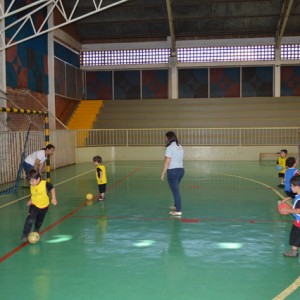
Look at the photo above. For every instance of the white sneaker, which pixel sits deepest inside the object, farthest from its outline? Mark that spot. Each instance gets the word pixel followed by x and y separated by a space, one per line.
pixel 175 213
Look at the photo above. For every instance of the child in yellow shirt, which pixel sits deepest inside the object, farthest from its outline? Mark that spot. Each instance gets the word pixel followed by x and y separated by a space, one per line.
pixel 100 176
pixel 281 166
pixel 38 203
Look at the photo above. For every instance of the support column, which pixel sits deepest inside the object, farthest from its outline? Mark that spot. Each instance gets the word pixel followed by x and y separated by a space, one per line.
pixel 277 73
pixel 51 82
pixel 173 78
pixel 2 64
pixel 3 102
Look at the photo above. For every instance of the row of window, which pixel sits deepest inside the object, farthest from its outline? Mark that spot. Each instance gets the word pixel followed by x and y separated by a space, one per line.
pixel 189 55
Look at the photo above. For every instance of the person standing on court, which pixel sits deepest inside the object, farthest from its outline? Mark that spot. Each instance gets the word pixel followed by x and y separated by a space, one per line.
pixel 36 160
pixel 100 176
pixel 173 166
pixel 298 162
pixel 295 210
pixel 281 166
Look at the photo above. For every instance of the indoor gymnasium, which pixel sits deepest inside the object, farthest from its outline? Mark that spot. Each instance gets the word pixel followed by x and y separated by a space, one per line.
pixel 149 149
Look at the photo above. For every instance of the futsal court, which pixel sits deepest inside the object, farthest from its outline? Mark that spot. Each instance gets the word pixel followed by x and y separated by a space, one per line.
pixel 227 245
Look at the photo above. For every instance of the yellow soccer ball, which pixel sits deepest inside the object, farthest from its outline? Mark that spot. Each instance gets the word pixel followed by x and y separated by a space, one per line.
pixel 89 196
pixel 33 237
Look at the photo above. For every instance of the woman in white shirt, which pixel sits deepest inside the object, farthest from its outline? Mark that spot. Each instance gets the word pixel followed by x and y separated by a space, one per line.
pixel 173 166
pixel 36 160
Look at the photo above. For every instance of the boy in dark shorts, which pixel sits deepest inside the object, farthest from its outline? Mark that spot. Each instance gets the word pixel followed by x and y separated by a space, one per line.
pixel 38 203
pixel 100 176
pixel 295 210
pixel 289 173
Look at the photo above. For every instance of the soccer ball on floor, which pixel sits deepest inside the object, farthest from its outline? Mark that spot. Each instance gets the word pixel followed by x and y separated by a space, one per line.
pixel 89 196
pixel 33 237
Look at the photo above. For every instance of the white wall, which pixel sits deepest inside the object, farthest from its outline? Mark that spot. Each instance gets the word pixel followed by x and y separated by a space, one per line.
pixel 251 153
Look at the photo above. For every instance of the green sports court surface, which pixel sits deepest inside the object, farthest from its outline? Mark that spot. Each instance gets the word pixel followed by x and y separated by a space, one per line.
pixel 227 245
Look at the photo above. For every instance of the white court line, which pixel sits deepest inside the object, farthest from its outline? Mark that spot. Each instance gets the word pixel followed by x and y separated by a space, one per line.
pixel 224 174
pixel 62 182
pixel 72 178
pixel 249 179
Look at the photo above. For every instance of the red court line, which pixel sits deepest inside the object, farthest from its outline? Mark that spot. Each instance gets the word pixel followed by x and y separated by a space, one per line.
pixel 121 180
pixel 15 250
pixel 126 218
pixel 251 221
pixel 185 220
pixel 45 230
pixel 190 220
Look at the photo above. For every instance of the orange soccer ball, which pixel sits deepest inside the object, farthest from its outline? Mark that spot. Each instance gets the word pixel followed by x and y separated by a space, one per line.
pixel 282 208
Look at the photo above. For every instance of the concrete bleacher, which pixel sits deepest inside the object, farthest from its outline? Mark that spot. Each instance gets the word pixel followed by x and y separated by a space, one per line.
pixel 200 113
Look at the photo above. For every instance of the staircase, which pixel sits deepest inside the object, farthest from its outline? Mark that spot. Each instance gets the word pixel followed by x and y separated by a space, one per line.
pixel 85 114
pixel 83 118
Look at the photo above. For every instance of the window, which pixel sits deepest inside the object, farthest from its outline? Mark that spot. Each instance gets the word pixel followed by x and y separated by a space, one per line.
pixel 222 54
pixel 188 55
pixel 125 57
pixel 290 51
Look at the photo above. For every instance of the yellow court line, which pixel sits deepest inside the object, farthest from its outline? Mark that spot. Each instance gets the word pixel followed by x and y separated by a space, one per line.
pixel 294 286
pixel 289 290
pixel 19 199
pixel 249 179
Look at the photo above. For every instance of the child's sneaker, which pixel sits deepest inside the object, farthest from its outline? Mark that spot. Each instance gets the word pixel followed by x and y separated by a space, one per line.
pixel 24 238
pixel 175 213
pixel 291 253
pixel 101 198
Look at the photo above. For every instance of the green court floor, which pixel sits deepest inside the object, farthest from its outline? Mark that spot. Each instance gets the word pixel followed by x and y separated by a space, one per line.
pixel 227 245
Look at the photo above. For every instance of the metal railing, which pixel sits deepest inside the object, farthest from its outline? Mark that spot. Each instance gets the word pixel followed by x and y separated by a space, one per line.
pixel 66 142
pixel 189 137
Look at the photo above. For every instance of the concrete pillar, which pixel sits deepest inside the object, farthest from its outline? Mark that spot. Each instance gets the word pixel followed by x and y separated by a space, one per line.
pixel 51 95
pixel 277 79
pixel 173 78
pixel 2 64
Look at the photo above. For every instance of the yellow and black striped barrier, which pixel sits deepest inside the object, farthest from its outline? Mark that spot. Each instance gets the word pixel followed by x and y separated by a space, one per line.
pixel 23 111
